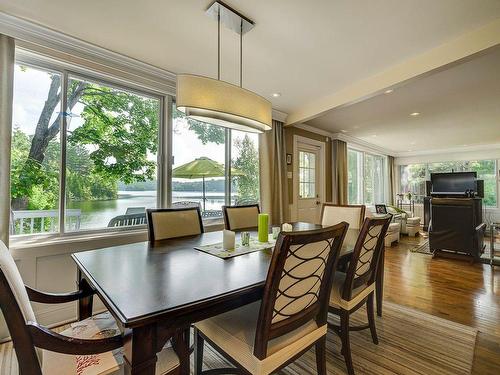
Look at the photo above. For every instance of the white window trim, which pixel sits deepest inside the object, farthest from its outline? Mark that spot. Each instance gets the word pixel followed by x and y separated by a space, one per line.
pixel 385 172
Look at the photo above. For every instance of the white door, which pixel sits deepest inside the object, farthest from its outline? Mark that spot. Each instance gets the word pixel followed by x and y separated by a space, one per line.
pixel 309 182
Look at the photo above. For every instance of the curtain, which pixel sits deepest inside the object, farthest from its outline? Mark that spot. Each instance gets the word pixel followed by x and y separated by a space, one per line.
pixel 392 179
pixel 7 49
pixel 339 173
pixel 273 179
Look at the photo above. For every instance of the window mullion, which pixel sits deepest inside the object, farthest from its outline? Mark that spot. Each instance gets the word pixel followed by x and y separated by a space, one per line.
pixel 63 138
pixel 227 167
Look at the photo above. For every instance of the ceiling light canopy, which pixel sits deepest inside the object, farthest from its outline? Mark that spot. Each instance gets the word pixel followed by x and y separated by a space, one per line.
pixel 221 103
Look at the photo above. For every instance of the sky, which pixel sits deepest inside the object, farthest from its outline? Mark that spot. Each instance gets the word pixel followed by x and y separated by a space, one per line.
pixel 31 87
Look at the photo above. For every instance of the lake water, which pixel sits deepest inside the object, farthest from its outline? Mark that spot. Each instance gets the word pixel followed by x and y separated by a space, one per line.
pixel 97 214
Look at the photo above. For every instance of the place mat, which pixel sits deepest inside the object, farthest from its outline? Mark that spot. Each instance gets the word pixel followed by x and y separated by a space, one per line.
pixel 217 249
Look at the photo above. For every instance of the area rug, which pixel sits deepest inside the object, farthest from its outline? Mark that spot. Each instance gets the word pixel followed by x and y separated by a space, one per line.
pixel 422 248
pixel 411 342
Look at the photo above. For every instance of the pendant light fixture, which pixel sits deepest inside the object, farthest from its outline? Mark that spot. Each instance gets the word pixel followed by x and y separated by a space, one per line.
pixel 221 103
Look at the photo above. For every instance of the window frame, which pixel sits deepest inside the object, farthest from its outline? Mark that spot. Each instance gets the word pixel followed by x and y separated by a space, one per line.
pixel 66 74
pixel 362 170
pixel 164 136
pixel 427 173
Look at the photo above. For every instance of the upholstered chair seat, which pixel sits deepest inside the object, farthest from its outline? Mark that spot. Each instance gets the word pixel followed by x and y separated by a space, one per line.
pixel 234 333
pixel 97 327
pixel 240 217
pixel 392 235
pixel 358 294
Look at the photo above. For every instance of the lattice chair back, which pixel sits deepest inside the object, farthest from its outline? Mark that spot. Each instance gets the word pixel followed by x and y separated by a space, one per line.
pixel 298 283
pixel 364 261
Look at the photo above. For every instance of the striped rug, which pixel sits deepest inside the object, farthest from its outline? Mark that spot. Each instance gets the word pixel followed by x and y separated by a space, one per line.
pixel 411 342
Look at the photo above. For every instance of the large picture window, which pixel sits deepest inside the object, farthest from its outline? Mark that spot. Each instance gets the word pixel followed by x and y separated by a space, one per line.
pixel 367 177
pixel 107 151
pixel 413 177
pixel 199 174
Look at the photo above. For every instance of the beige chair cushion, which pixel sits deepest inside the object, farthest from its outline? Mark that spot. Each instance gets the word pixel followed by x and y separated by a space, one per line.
pixel 413 220
pixel 333 215
pixel 242 217
pixel 99 326
pixel 172 224
pixel 16 283
pixel 357 295
pixel 234 333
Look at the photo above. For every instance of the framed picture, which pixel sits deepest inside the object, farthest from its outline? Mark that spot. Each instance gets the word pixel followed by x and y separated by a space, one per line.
pixel 381 209
pixel 288 159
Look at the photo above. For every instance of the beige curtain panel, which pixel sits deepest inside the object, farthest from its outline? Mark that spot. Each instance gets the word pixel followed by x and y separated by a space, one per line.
pixel 392 179
pixel 339 173
pixel 7 50
pixel 273 182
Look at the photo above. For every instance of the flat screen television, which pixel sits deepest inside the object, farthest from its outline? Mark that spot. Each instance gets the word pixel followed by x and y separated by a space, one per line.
pixel 453 183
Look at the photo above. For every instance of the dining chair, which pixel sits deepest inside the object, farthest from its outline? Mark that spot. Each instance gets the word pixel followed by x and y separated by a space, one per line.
pixel 332 214
pixel 165 223
pixel 241 217
pixel 265 336
pixel 92 344
pixel 353 288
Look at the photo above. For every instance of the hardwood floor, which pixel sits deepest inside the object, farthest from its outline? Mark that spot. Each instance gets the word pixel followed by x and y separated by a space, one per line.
pixel 451 289
pixel 448 288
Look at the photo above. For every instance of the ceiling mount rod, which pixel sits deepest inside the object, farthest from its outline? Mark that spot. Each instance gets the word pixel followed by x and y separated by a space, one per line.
pixel 230 17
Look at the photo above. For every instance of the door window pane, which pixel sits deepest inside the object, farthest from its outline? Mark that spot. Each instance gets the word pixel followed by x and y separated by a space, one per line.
pixel 198 174
pixel 111 156
pixel 35 152
pixel 245 172
pixel 307 174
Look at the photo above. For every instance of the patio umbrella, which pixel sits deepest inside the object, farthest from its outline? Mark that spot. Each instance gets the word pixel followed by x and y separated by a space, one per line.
pixel 203 167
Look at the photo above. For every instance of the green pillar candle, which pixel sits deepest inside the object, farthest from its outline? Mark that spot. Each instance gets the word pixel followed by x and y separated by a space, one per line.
pixel 263 227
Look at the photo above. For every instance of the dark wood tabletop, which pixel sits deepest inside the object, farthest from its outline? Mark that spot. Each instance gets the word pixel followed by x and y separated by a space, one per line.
pixel 141 279
pixel 154 288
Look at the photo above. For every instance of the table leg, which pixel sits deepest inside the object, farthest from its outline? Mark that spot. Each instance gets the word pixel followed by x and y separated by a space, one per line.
pixel 379 285
pixel 181 346
pixel 139 351
pixel 84 304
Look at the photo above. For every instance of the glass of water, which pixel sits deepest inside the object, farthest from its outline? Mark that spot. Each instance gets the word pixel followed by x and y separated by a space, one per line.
pixel 276 232
pixel 245 238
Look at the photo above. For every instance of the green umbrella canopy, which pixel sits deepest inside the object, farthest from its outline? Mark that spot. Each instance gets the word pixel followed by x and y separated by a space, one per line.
pixel 201 168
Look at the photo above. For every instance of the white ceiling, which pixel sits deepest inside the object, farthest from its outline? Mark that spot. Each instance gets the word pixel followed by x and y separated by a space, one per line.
pixel 459 107
pixel 305 50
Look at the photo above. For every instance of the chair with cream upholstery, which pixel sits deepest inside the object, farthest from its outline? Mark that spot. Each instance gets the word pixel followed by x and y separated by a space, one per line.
pixel 93 345
pixel 355 287
pixel 165 223
pixel 265 336
pixel 241 217
pixel 332 214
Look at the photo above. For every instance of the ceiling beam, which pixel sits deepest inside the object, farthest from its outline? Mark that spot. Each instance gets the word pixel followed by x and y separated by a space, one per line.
pixel 437 58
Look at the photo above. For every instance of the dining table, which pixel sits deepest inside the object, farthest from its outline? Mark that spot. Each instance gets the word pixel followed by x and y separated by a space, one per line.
pixel 156 290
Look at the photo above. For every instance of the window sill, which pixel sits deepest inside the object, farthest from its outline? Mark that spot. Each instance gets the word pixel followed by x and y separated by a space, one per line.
pixel 95 239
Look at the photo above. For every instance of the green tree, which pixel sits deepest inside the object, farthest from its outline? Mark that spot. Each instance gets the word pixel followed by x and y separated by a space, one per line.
pixel 248 163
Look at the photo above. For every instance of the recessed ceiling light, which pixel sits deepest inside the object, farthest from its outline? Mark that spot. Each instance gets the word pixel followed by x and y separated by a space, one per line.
pixel 465 145
pixel 415 114
pixel 388 91
pixel 343 130
pixel 374 135
pixel 412 143
pixel 277 94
